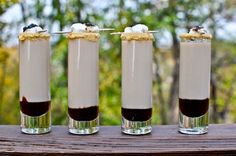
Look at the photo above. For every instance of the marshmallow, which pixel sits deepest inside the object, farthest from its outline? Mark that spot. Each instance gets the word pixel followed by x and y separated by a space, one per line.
pixel 128 30
pixel 92 28
pixel 140 28
pixel 197 30
pixel 79 27
pixel 32 28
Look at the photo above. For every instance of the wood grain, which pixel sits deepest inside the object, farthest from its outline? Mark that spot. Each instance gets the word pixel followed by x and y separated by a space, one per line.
pixel 164 140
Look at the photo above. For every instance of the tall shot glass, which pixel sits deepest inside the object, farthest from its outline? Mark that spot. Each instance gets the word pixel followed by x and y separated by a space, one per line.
pixel 83 93
pixel 136 83
pixel 35 99
pixel 194 81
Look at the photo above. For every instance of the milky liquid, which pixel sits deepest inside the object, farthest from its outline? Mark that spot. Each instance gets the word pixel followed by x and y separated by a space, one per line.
pixel 83 73
pixel 137 74
pixel 195 64
pixel 35 70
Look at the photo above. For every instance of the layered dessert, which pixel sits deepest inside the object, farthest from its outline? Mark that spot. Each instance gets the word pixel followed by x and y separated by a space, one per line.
pixel 195 69
pixel 34 71
pixel 137 73
pixel 83 72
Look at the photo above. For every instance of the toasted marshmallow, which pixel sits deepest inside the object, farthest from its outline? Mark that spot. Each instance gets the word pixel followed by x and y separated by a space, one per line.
pixel 33 32
pixel 196 33
pixel 80 27
pixel 92 28
pixel 197 30
pixel 32 28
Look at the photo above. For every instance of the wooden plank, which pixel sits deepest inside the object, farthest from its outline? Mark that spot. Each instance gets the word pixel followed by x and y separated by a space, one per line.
pixel 164 140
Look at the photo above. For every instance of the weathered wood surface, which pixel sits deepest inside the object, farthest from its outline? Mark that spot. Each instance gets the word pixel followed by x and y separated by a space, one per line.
pixel 164 140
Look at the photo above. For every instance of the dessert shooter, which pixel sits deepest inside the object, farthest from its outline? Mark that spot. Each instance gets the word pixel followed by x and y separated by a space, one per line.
pixel 194 81
pixel 34 49
pixel 83 78
pixel 136 80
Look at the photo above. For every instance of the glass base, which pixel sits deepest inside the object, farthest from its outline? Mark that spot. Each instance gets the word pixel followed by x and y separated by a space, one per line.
pixel 193 125
pixel 36 124
pixel 136 127
pixel 83 127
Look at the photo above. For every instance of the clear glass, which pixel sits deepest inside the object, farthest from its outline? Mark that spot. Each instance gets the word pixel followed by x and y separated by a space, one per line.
pixel 36 125
pixel 83 127
pixel 194 88
pixel 83 58
pixel 191 125
pixel 34 91
pixel 136 87
pixel 136 127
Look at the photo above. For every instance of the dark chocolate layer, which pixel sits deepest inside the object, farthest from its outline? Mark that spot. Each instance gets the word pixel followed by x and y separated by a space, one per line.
pixel 83 114
pixel 193 108
pixel 136 114
pixel 34 108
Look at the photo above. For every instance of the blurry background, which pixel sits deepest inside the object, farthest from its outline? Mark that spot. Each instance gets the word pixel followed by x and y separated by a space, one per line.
pixel 169 17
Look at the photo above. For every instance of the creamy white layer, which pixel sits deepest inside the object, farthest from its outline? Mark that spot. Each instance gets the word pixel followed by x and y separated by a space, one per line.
pixel 195 68
pixel 35 70
pixel 137 74
pixel 83 73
